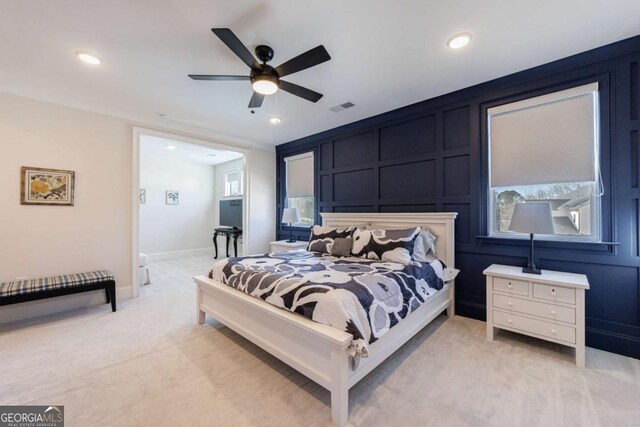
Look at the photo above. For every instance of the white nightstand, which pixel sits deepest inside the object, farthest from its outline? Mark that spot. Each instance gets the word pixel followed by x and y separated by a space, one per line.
pixel 549 306
pixel 283 245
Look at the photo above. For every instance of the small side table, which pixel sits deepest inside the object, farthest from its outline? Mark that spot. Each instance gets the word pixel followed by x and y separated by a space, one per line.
pixel 549 306
pixel 283 246
pixel 229 233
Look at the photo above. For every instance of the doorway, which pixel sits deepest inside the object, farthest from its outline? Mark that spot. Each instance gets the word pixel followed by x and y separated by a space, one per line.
pixel 187 194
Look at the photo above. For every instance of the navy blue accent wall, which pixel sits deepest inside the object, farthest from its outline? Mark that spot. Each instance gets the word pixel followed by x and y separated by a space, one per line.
pixel 431 156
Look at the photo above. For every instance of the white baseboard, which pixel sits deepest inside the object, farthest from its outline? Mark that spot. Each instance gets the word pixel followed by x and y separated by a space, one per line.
pixel 159 256
pixel 44 307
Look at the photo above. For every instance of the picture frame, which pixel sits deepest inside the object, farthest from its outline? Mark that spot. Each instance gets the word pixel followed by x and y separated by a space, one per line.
pixel 143 196
pixel 44 186
pixel 172 197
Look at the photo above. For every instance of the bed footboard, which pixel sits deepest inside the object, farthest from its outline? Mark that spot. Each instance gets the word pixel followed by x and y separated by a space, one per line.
pixel 315 350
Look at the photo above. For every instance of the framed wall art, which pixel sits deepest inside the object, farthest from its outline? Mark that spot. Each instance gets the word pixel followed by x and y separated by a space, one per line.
pixel 172 197
pixel 39 186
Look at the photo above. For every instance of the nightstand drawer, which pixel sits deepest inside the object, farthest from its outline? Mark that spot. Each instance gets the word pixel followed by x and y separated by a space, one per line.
pixel 276 248
pixel 553 312
pixel 538 327
pixel 510 286
pixel 554 293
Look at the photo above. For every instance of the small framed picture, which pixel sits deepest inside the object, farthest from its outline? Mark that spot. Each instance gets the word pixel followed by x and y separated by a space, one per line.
pixel 39 186
pixel 143 196
pixel 172 197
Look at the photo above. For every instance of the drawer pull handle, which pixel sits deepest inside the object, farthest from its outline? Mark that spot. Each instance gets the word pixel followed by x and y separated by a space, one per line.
pixel 509 285
pixel 553 331
pixel 553 292
pixel 509 321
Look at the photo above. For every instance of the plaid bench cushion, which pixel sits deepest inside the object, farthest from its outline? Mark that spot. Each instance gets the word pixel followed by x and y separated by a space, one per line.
pixel 21 287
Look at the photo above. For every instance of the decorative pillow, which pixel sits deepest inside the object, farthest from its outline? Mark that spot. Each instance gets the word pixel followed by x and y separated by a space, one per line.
pixel 424 249
pixel 385 245
pixel 341 246
pixel 322 238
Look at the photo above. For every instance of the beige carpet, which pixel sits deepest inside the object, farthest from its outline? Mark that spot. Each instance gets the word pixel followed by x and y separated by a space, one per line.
pixel 149 364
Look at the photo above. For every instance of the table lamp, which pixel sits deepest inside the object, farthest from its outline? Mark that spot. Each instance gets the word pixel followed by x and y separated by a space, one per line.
pixel 290 216
pixel 532 218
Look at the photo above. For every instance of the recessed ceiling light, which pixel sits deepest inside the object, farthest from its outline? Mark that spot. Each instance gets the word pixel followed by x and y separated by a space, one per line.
pixel 275 120
pixel 459 40
pixel 211 155
pixel 170 147
pixel 87 57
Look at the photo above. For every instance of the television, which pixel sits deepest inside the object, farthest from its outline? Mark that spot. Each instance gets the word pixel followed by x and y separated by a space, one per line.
pixel 231 213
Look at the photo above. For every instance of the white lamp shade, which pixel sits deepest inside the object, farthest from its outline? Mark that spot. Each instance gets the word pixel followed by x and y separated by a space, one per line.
pixel 532 218
pixel 290 216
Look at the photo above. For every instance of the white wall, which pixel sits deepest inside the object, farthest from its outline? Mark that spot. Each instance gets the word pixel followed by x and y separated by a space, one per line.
pixel 170 228
pixel 262 212
pixel 96 233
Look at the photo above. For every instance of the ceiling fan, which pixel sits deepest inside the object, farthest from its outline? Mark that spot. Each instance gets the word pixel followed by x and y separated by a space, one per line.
pixel 264 78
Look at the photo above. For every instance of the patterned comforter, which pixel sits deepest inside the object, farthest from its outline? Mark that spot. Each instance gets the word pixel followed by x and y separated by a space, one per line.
pixel 362 297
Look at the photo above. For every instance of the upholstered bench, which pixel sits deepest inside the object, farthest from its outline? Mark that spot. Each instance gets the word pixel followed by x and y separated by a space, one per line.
pixel 48 287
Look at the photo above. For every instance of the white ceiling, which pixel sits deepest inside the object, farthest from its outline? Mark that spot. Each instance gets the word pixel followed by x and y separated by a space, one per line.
pixel 155 146
pixel 385 54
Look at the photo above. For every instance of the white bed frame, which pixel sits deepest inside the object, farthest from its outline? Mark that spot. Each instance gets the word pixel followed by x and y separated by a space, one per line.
pixel 320 351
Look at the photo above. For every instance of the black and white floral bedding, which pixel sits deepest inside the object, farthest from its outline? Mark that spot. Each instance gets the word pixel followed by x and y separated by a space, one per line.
pixel 360 296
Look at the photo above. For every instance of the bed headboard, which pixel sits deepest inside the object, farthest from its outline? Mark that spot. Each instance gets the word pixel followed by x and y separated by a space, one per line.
pixel 441 224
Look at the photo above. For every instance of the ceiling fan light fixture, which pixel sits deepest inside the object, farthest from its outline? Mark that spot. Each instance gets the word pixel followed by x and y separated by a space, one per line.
pixel 265 84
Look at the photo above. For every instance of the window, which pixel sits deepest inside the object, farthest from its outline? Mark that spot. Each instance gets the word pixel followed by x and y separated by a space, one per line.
pixel 233 183
pixel 299 187
pixel 545 150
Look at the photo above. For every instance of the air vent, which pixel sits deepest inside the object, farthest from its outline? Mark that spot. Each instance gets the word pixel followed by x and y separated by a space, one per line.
pixel 341 107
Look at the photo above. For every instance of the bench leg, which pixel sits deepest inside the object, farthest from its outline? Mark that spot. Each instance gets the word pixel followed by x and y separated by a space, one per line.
pixel 112 293
pixel 107 293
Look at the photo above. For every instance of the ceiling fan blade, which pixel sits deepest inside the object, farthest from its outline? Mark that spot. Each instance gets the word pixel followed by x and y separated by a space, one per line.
pixel 300 91
pixel 208 77
pixel 309 59
pixel 256 100
pixel 234 43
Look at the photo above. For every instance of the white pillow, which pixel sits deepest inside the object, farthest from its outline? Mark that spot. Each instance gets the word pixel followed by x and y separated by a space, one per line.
pixel 424 249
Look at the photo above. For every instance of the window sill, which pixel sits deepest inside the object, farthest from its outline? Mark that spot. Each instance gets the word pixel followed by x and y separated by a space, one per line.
pixel 549 244
pixel 296 227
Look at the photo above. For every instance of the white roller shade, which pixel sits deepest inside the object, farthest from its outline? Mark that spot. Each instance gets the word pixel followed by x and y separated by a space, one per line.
pixel 300 175
pixel 545 140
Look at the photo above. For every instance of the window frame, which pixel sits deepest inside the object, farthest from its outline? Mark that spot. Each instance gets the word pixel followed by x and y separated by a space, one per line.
pixel 596 201
pixel 595 209
pixel 312 154
pixel 240 183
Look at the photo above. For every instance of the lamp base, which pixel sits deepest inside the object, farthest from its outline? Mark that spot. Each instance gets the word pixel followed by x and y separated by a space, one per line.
pixel 531 270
